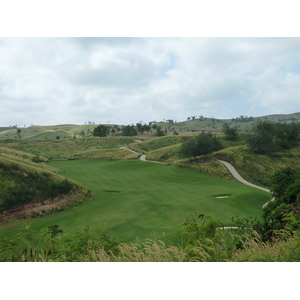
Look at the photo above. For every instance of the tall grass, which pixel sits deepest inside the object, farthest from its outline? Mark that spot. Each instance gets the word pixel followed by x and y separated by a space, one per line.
pixel 80 148
pixel 53 245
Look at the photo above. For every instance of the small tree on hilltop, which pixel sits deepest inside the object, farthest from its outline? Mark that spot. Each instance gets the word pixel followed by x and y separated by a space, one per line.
pixel 101 130
pixel 159 131
pixel 129 130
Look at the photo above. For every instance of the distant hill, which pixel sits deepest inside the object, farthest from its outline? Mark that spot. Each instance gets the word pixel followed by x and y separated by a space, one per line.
pixel 192 124
pixel 7 128
pixel 199 123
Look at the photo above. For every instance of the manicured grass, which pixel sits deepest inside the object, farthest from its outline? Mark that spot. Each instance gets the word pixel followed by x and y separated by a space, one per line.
pixel 139 200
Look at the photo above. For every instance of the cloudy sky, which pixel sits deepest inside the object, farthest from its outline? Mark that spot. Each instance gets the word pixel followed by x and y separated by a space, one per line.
pixel 128 80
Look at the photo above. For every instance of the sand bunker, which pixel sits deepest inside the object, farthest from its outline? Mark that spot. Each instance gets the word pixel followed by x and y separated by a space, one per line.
pixel 222 197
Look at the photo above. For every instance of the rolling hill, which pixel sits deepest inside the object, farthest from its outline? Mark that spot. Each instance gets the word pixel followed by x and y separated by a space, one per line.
pixel 194 124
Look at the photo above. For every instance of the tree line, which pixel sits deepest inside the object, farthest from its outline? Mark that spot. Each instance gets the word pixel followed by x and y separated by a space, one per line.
pixel 128 130
pixel 265 138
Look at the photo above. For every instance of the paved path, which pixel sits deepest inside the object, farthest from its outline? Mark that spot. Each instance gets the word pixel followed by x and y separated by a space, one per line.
pixel 230 167
pixel 126 148
pixel 143 158
pixel 236 175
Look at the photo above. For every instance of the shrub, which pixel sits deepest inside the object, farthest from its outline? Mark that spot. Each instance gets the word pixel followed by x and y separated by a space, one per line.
pixel 202 144
pixel 37 159
pixel 231 132
pixel 101 131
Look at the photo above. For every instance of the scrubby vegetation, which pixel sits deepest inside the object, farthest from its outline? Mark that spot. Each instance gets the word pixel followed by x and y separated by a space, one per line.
pixel 202 144
pixel 69 149
pixel 25 179
pixel 269 136
pixel 19 186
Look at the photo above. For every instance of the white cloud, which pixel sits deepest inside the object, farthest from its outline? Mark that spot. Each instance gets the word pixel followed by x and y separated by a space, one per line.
pixel 125 80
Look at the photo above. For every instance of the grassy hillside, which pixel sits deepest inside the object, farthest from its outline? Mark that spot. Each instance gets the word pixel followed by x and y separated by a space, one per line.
pixel 192 125
pixel 29 187
pixel 215 125
pixel 83 148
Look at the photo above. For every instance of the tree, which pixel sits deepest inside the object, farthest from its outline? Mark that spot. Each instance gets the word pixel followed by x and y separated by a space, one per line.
pixel 202 144
pixel 140 127
pixel 159 131
pixel 262 139
pixel 129 130
pixel 101 130
pixel 19 133
pixel 231 132
pixel 146 128
pixel 269 136
pixel 281 180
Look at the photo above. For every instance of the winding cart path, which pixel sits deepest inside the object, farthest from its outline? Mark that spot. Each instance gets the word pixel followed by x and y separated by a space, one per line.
pixel 230 168
pixel 237 176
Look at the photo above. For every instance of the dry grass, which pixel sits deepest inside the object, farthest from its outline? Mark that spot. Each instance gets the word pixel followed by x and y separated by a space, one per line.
pixel 211 166
pixel 256 251
pixel 150 251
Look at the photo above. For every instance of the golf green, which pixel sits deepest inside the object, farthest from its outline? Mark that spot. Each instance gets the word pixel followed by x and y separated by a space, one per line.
pixel 137 200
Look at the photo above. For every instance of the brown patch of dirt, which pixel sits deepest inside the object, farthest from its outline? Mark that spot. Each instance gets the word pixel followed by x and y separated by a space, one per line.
pixel 223 157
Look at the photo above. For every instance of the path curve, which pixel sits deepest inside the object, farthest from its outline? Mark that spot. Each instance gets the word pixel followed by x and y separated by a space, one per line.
pixel 230 168
pixel 237 176
pixel 126 148
pixel 143 158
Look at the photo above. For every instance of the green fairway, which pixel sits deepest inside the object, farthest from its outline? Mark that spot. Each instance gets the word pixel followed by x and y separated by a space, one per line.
pixel 138 200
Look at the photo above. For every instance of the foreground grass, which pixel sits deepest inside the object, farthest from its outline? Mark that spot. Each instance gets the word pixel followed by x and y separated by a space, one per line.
pixel 138 200
pixel 51 244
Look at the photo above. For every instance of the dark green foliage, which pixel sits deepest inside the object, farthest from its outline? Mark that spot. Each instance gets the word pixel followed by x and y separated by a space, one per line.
pixel 159 131
pixel 101 131
pixel 37 159
pixel 142 128
pixel 19 187
pixel 262 140
pixel 286 188
pixel 52 245
pixel 129 130
pixel 231 132
pixel 196 230
pixel 281 180
pixel 269 136
pixel 202 144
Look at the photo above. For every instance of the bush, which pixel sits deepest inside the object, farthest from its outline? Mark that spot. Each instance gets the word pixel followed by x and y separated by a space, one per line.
pixel 129 130
pixel 37 159
pixel 269 137
pixel 231 132
pixel 203 144
pixel 101 131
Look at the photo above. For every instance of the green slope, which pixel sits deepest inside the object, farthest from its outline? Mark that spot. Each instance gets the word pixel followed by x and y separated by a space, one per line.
pixel 135 199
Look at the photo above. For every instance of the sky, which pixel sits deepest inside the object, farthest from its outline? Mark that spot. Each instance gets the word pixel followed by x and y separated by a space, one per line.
pixel 46 81
pixel 108 65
